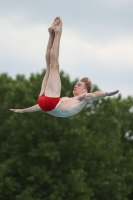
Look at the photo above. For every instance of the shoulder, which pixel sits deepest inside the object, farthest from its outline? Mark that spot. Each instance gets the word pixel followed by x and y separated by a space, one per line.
pixel 64 98
pixel 81 97
pixel 90 96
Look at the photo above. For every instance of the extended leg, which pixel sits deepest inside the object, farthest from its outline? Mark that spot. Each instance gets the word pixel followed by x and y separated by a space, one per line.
pixel 53 87
pixel 47 56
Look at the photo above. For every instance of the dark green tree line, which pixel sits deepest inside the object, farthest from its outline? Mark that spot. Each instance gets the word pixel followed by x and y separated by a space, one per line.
pixel 85 157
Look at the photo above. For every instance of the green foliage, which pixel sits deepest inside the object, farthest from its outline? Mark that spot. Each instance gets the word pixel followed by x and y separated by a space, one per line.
pixel 84 157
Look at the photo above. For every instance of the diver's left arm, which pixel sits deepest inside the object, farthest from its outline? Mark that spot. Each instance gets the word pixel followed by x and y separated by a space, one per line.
pixel 98 95
pixel 34 108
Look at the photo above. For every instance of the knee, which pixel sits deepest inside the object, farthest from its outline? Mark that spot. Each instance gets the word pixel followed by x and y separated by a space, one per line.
pixel 53 56
pixel 54 66
pixel 54 62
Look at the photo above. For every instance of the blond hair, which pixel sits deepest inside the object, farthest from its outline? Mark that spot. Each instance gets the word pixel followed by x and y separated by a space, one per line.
pixel 88 84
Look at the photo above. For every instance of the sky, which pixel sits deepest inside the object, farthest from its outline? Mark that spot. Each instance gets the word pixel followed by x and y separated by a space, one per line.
pixel 97 39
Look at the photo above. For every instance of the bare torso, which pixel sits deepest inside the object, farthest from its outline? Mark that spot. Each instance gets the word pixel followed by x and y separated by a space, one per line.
pixel 68 107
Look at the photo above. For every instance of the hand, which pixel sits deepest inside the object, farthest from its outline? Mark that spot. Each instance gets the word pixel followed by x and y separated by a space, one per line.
pixel 112 93
pixel 17 110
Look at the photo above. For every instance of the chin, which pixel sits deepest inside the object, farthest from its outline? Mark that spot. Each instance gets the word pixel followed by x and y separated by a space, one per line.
pixel 75 93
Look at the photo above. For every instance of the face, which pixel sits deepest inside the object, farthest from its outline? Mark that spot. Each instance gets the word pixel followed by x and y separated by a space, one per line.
pixel 79 88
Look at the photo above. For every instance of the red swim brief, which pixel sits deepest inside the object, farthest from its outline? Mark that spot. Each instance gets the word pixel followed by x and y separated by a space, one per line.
pixel 48 103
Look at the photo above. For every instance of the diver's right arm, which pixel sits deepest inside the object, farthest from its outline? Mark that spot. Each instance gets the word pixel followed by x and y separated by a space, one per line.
pixel 34 108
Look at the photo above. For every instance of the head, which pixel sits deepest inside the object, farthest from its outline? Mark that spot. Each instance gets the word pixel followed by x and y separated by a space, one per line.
pixel 84 85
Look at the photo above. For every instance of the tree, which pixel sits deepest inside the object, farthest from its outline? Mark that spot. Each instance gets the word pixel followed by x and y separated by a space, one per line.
pixel 84 157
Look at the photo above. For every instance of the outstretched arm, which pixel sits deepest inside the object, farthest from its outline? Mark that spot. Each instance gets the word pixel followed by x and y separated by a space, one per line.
pixel 97 94
pixel 34 108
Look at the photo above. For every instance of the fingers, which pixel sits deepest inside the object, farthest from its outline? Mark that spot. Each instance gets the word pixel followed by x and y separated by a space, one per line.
pixel 115 92
pixel 13 110
pixel 16 110
pixel 112 93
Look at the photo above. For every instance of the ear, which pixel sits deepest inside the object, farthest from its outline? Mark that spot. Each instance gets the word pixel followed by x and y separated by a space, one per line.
pixel 85 90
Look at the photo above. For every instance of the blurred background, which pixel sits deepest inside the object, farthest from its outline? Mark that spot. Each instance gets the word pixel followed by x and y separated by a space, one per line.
pixel 97 39
pixel 85 157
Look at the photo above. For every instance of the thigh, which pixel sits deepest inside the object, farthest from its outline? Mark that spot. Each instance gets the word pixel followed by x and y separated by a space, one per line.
pixel 44 82
pixel 53 87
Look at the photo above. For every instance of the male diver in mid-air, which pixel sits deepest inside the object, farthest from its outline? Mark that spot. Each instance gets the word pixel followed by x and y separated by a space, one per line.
pixel 49 98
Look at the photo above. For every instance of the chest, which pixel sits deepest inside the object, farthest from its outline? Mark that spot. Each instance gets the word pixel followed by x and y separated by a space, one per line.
pixel 73 104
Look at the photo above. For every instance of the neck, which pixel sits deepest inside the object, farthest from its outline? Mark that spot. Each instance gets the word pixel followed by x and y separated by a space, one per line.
pixel 76 94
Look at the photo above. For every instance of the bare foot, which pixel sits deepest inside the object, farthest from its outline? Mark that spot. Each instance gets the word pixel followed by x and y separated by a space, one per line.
pixel 54 24
pixel 58 28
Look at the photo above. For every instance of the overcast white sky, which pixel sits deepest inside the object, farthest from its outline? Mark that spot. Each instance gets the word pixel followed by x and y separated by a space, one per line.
pixel 97 39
